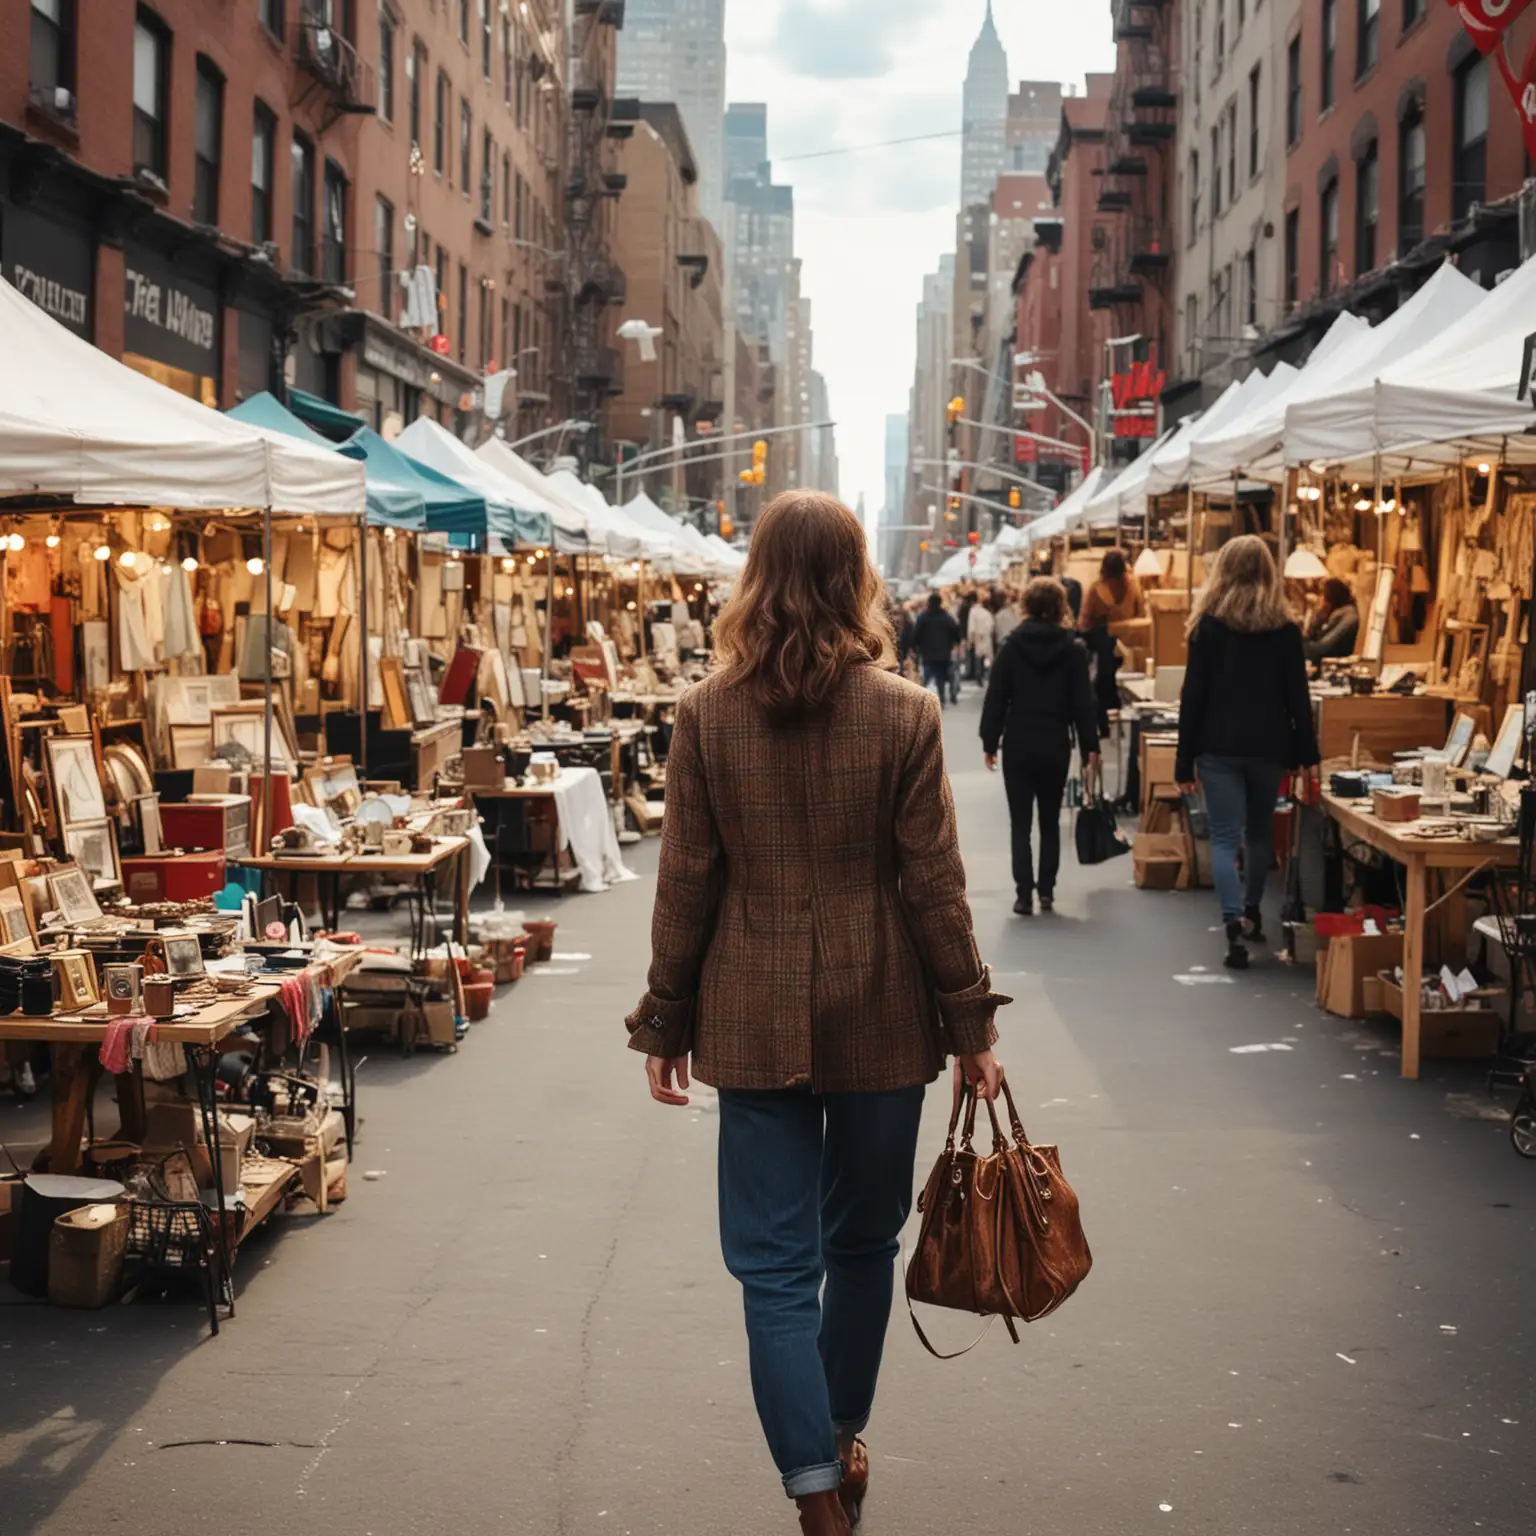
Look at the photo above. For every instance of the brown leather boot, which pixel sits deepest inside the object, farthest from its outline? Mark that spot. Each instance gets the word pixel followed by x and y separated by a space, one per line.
pixel 821 1514
pixel 855 1481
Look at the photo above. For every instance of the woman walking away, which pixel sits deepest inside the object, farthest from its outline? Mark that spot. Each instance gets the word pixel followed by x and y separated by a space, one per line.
pixel 1244 719
pixel 1112 599
pixel 1039 694
pixel 934 638
pixel 981 636
pixel 812 950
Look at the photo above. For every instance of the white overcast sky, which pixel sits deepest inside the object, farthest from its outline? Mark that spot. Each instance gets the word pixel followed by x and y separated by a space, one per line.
pixel 869 225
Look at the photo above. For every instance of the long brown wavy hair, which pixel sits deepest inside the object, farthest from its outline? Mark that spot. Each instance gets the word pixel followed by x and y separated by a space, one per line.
pixel 807 607
pixel 1243 589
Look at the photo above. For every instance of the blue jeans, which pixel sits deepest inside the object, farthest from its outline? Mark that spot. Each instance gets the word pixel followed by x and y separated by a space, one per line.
pixel 815 1187
pixel 937 673
pixel 1240 795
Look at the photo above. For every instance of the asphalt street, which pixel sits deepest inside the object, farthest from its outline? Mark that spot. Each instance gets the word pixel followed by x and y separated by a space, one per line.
pixel 1310 1310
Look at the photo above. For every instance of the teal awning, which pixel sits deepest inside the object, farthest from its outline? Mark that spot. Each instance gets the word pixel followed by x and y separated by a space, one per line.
pixel 331 421
pixel 449 507
pixel 393 501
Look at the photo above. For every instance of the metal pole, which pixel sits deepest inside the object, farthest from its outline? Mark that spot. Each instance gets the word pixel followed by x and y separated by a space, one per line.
pixel 1381 532
pixel 640 603
pixel 549 633
pixel 1287 495
pixel 266 571
pixel 362 604
pixel 1189 541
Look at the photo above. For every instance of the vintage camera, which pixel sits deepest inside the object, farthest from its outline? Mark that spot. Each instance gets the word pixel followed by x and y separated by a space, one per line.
pixel 123 985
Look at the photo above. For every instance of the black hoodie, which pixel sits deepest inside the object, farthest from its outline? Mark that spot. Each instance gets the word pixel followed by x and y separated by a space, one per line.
pixel 1038 692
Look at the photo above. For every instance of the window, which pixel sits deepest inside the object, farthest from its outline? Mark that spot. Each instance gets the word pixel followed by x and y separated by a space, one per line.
pixel 1367 210
pixel 272 15
pixel 384 248
pixel 1413 13
pixel 506 190
pixel 209 140
pixel 463 311
pixel 1410 182
pixel 1239 19
pixel 440 125
pixel 487 177
pixel 263 163
pixel 519 231
pixel 52 64
pixel 1330 31
pixel 333 231
pixel 486 36
pixel 464 138
pixel 1199 28
pixel 415 80
pixel 1367 36
pixel 151 69
pixel 522 93
pixel 1216 171
pixel 301 159
pixel 508 62
pixel 464 22
pixel 1328 229
pixel 1292 257
pixel 1253 121
pixel 386 64
pixel 1469 166
pixel 1219 39
pixel 442 290
pixel 1231 154
pixel 1194 194
pixel 1192 334
pixel 1293 93
pixel 1251 286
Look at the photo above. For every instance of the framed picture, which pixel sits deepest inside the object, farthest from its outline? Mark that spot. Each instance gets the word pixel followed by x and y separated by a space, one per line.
pixel 77 979
pixel 149 823
pixel 419 691
pixel 246 728
pixel 1501 760
pixel 183 954
pixel 129 770
pixel 14 923
pixel 1376 619
pixel 77 791
pixel 190 701
pixel 223 690
pixel 93 846
pixel 191 745
pixel 73 898
pixel 1459 742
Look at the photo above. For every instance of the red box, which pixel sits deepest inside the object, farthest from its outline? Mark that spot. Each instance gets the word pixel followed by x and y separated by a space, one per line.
pixel 221 822
pixel 167 877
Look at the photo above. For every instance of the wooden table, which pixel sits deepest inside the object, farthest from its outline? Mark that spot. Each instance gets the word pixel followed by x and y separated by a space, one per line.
pixel 557 878
pixel 421 870
pixel 1418 856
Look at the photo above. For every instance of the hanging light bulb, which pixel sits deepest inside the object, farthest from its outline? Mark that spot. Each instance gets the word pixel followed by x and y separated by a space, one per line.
pixel 570 591
pixel 102 552
pixel 538 554
pixel 53 541
pixel 1363 505
pixel 189 564
pixel 630 605
pixel 1482 469
pixel 126 559
pixel 531 559
pixel 254 565
pixel 389 534
pixel 509 564
pixel 16 543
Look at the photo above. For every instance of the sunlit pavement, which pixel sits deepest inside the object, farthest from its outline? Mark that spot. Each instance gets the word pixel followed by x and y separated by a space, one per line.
pixel 1308 1312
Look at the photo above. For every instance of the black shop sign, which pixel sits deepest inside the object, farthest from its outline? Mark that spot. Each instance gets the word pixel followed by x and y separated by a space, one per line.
pixel 50 264
pixel 167 316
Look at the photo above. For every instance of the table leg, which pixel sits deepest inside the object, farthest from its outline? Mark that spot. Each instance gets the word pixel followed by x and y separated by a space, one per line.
pixel 205 1068
pixel 1413 963
pixel 71 1083
pixel 461 906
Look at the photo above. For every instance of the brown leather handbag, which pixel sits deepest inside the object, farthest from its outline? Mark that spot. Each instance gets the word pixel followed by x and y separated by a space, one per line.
pixel 1001 1235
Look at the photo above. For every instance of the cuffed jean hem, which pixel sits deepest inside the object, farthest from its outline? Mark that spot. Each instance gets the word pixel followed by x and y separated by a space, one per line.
pixel 826 1478
pixel 852 1426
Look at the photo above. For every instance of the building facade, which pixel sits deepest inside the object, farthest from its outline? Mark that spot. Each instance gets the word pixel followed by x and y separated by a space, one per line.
pixel 984 116
pixel 928 430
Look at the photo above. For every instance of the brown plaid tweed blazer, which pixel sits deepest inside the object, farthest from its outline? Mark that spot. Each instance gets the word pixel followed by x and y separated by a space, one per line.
pixel 811 925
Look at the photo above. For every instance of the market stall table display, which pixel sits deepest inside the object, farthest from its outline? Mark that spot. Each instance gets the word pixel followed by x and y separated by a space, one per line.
pixel 1419 855
pixel 584 825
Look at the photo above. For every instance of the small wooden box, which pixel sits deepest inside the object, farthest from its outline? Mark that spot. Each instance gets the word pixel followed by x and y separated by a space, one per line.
pixel 162 877
pixel 1395 804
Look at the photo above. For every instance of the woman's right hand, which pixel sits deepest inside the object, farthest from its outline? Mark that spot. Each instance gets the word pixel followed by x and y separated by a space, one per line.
pixel 982 1070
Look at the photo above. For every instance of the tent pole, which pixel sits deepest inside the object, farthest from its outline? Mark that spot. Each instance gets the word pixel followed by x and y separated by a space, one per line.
pixel 549 631
pixel 640 602
pixel 1189 543
pixel 1287 492
pixel 266 783
pixel 362 604
pixel 1381 532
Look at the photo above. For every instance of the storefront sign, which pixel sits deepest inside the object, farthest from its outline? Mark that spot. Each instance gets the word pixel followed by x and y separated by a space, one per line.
pixel 49 264
pixel 404 360
pixel 167 316
pixel 1135 394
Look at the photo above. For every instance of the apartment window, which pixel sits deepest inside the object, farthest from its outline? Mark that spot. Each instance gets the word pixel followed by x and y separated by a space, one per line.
pixel 333 233
pixel 273 15
pixel 384 249
pixel 263 164
pixel 1240 16
pixel 1251 286
pixel 209 142
pixel 1410 181
pixel 1367 36
pixel 52 62
pixel 519 225
pixel 440 124
pixel 463 311
pixel 1367 210
pixel 1216 172
pixel 508 61
pixel 441 275
pixel 1194 194
pixel 1413 13
pixel 506 190
pixel 1330 34
pixel 1192 333
pixel 1219 39
pixel 464 22
pixel 301 160
pixel 415 80
pixel 487 177
pixel 1199 26
pixel 386 64
pixel 1292 258
pixel 151 71
pixel 1328 230
pixel 1231 154
pixel 486 37
pixel 1293 92
pixel 1253 121
pixel 464 138
pixel 1469 166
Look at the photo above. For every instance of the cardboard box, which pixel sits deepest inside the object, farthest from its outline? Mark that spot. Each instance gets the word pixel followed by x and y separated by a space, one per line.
pixel 1158 860
pixel 438 1023
pixel 1400 803
pixel 1350 959
pixel 172 1123
pixel 483 768
pixel 1371 993
pixel 1447 1032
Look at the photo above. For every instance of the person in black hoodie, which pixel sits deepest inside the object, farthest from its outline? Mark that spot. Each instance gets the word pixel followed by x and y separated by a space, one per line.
pixel 1245 718
pixel 1038 695
pixel 934 638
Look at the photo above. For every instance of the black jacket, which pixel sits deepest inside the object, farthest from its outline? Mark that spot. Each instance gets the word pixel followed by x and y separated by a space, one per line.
pixel 935 635
pixel 1245 695
pixel 1039 692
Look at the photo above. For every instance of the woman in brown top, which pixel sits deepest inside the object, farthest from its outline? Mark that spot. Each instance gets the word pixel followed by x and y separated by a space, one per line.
pixel 812 952
pixel 1113 598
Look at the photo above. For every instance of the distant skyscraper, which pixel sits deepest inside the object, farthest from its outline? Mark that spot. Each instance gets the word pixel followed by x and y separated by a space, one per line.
pixel 746 140
pixel 674 50
pixel 984 116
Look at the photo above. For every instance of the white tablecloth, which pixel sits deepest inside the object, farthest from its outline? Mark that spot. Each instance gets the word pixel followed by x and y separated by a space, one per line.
pixel 586 828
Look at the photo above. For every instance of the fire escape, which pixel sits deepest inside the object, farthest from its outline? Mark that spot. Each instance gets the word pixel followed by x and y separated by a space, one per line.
pixel 1133 251
pixel 596 284
pixel 335 72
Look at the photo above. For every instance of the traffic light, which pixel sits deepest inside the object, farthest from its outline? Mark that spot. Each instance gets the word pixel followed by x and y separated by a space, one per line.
pixel 922 544
pixel 956 409
pixel 758 474
pixel 974 537
pixel 1015 498
pixel 727 527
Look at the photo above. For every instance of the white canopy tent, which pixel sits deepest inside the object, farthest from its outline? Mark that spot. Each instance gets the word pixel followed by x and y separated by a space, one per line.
pixel 570 521
pixel 1245 401
pixel 1126 493
pixel 77 423
pixel 690 552
pixel 1065 517
pixel 731 560
pixel 625 538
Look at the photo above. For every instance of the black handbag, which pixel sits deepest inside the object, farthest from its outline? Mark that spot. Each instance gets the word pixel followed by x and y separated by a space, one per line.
pixel 1096 832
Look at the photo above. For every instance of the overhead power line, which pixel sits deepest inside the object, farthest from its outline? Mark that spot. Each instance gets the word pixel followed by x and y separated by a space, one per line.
pixel 854 149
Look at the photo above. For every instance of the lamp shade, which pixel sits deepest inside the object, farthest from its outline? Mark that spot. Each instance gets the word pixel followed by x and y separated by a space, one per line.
pixel 1303 565
pixel 1147 564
